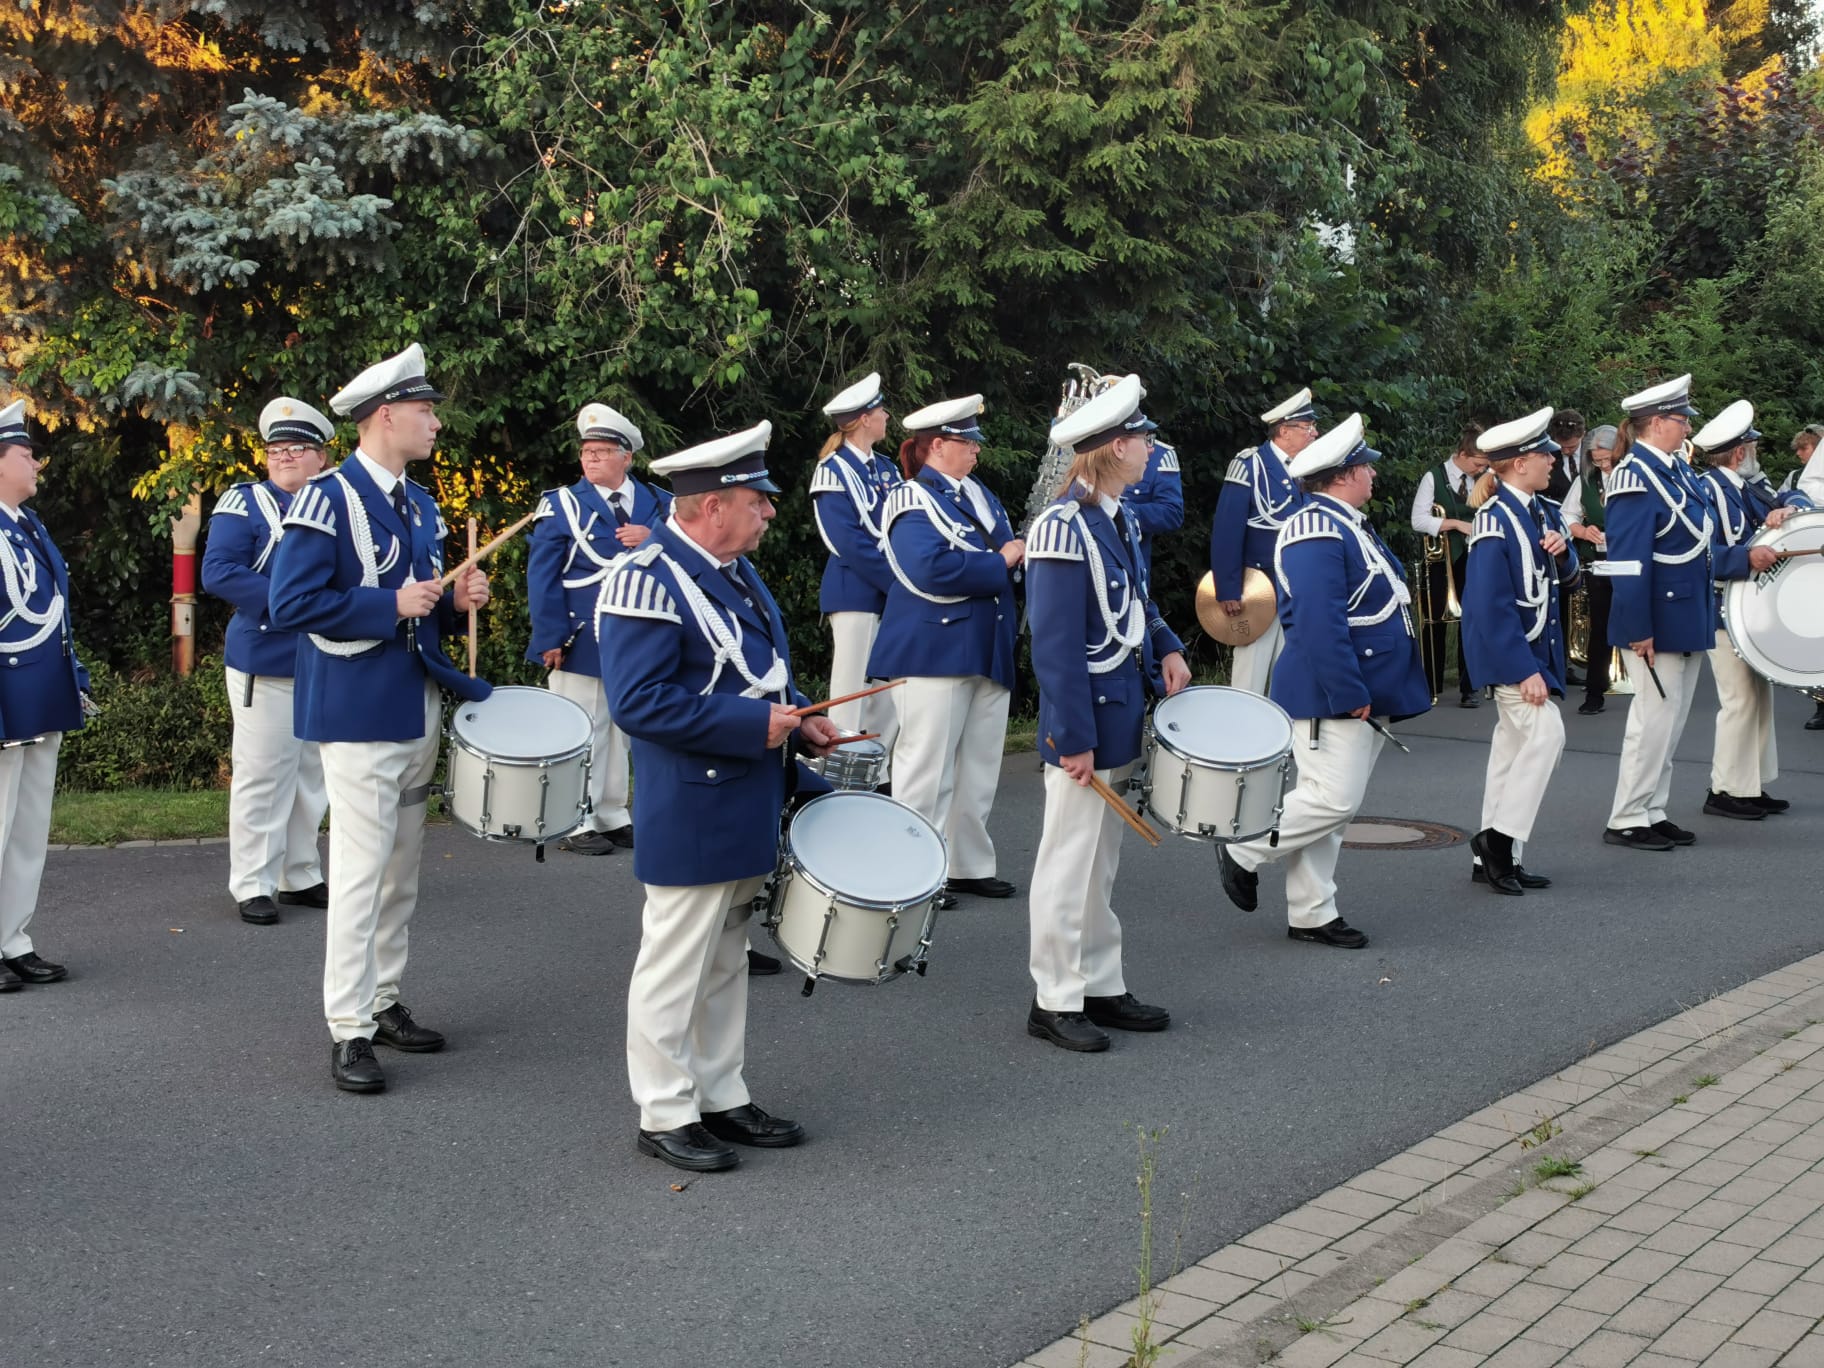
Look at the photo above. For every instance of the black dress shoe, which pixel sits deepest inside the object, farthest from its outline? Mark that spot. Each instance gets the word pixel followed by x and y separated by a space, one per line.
pixel 1067 1030
pixel 353 1066
pixel 29 968
pixel 749 1125
pixel 317 895
pixel 989 887
pixel 259 911
pixel 1497 863
pixel 1591 709
pixel 1242 886
pixel 588 843
pixel 759 965
pixel 395 1027
pixel 1816 721
pixel 688 1147
pixel 9 981
pixel 1338 933
pixel 1125 1013
pixel 1469 701
pixel 1728 805
pixel 1636 838
pixel 1675 833
pixel 1477 874
pixel 622 836
pixel 1766 802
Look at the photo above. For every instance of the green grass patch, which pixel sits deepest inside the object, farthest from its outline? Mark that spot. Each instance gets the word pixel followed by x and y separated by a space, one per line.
pixel 1552 1167
pixel 138 815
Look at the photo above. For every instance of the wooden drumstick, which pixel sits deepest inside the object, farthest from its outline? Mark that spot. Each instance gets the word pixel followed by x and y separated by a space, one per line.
pixel 1113 799
pixel 810 708
pixel 474 527
pixel 478 557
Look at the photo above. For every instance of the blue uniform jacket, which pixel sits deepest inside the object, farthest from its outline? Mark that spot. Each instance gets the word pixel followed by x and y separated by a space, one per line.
pixel 684 656
pixel 1097 639
pixel 569 554
pixel 849 492
pixel 1349 633
pixel 1256 498
pixel 1660 527
pixel 1511 629
pixel 374 691
pixel 1740 510
pixel 1156 503
pixel 244 531
pixel 41 680
pixel 951 608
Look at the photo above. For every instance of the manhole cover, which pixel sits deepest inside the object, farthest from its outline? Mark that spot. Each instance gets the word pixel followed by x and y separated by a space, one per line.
pixel 1399 833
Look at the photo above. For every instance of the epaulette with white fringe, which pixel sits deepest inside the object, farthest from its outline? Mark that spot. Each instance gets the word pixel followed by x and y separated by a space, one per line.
pixel 1056 533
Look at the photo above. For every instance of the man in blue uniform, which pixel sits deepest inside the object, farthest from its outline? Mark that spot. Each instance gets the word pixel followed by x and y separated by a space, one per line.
pixel 1257 497
pixel 43 694
pixel 359 573
pixel 697 672
pixel 276 799
pixel 1156 503
pixel 1351 659
pixel 579 534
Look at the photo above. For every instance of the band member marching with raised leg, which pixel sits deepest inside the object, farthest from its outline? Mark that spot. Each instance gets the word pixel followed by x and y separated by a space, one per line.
pixel 359 573
pixel 1099 647
pixel 697 670
pixel 1519 556
pixel 276 799
pixel 579 534
pixel 1258 495
pixel 1351 660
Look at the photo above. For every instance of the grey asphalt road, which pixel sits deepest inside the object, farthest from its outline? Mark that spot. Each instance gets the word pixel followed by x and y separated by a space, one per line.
pixel 187 1188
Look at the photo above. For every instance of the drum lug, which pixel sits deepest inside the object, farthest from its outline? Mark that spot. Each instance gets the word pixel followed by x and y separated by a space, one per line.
pixel 1184 795
pixel 1241 788
pixel 886 950
pixel 544 795
pixel 487 792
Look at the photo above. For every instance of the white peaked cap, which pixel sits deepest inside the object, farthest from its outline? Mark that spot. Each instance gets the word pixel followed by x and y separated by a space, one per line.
pixel 1733 426
pixel 1298 406
pixel 952 417
pixel 1343 445
pixel 733 462
pixel 600 423
pixel 1113 413
pixel 1518 437
pixel 859 397
pixel 1674 396
pixel 288 419
pixel 396 380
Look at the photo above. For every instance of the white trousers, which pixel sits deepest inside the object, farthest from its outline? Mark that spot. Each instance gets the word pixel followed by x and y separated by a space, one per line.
pixel 1332 781
pixel 276 799
pixel 852 637
pixel 376 832
pixel 1745 759
pixel 608 758
pixel 687 1002
pixel 1644 782
pixel 1521 759
pixel 1076 939
pixel 947 761
pixel 27 776
pixel 1253 665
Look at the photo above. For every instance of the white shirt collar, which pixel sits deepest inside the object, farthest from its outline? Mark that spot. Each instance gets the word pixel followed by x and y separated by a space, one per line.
pixel 379 473
pixel 1273 446
pixel 1733 477
pixel 1108 505
pixel 863 456
pixel 609 493
pixel 692 543
pixel 1665 458
pixel 13 513
pixel 1354 514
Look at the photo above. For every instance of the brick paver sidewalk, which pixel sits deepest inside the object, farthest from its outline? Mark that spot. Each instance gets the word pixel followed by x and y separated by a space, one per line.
pixel 1659 1204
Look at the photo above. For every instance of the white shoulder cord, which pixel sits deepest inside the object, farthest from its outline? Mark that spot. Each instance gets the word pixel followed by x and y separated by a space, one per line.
pixel 912 491
pixel 1378 568
pixel 579 541
pixel 1537 595
pixel 361 533
pixel 724 635
pixel 1731 533
pixel 275 523
pixel 1268 518
pixel 1699 535
pixel 21 582
pixel 863 496
pixel 1113 629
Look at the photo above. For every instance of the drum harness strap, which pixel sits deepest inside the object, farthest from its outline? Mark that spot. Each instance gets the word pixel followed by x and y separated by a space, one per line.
pixel 361 533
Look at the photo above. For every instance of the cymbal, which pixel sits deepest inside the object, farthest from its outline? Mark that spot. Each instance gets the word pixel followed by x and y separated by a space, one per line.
pixel 1258 605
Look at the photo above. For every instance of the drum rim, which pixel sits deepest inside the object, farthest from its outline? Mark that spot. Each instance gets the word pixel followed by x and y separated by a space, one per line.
pixel 789 856
pixel 509 762
pixel 1227 767
pixel 1735 590
pixel 587 743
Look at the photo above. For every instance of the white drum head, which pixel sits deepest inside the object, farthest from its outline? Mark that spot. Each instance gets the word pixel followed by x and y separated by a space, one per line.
pixel 866 848
pixel 517 722
pixel 1221 726
pixel 1777 624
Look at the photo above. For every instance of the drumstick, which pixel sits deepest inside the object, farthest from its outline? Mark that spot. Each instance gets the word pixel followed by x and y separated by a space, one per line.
pixel 810 708
pixel 1113 799
pixel 1808 551
pixel 478 557
pixel 472 610
pixel 863 736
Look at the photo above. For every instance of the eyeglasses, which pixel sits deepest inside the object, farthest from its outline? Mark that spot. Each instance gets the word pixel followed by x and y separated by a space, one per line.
pixel 291 452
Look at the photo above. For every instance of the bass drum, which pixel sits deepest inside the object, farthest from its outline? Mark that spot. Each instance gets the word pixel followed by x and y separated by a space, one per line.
pixel 1775 620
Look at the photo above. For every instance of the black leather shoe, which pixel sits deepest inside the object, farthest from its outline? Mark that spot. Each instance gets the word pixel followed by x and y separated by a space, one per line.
pixel 1242 886
pixel 1477 874
pixel 1636 838
pixel 622 836
pixel 29 968
pixel 1066 1030
pixel 759 965
pixel 946 901
pixel 688 1147
pixel 9 981
pixel 1469 701
pixel 1590 709
pixel 751 1126
pixel 1816 721
pixel 1675 833
pixel 1125 1013
pixel 1766 802
pixel 1338 933
pixel 394 1027
pixel 259 911
pixel 989 887
pixel 1728 805
pixel 353 1066
pixel 317 895
pixel 1497 869
pixel 588 843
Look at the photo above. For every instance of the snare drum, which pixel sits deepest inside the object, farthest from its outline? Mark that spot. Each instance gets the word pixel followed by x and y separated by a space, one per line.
pixel 519 765
pixel 1775 619
pixel 1217 761
pixel 855 896
pixel 854 765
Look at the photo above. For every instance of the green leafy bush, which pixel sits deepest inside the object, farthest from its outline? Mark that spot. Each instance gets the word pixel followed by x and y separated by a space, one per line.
pixel 156 730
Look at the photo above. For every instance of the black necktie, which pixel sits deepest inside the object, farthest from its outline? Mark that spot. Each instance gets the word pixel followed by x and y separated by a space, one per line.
pixel 733 576
pixel 614 506
pixel 400 506
pixel 31 530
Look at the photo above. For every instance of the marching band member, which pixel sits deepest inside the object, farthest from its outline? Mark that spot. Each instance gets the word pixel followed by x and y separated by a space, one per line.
pixel 1156 501
pixel 358 571
pixel 276 799
pixel 1585 504
pixel 578 535
pixel 1513 638
pixel 1744 759
pixel 696 668
pixel 1808 480
pixel 949 629
pixel 1351 658
pixel 1663 610
pixel 1256 499
pixel 849 494
pixel 1448 486
pixel 43 694
pixel 1098 646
